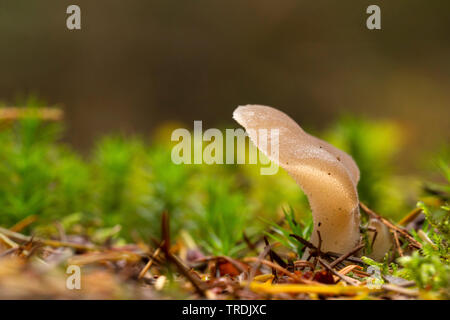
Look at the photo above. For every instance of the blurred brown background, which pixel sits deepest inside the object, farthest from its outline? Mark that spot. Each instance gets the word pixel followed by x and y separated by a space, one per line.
pixel 136 64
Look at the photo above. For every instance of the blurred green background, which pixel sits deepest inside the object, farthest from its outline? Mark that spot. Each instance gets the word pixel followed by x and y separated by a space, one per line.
pixel 136 64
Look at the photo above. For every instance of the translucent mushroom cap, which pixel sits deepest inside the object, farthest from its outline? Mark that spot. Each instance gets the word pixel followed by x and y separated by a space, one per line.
pixel 327 175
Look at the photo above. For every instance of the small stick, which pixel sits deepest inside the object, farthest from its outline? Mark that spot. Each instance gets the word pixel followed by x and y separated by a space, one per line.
pixel 397 244
pixel 375 234
pixel 318 254
pixel 350 259
pixel 47 242
pixel 184 271
pixel 410 217
pixel 277 258
pixel 150 261
pixel 347 279
pixel 274 271
pixel 400 290
pixel 274 255
pixel 425 238
pixel 15 113
pixel 22 224
pixel 351 268
pixel 7 252
pixel 165 226
pixel 345 256
pixel 403 232
pixel 282 270
pixel 361 273
pixel 8 241
pixel 306 243
pixel 262 255
pixel 250 245
pixel 320 242
pixel 304 263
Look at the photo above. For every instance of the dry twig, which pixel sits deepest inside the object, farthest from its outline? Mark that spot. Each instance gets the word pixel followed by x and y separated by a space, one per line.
pixel 391 226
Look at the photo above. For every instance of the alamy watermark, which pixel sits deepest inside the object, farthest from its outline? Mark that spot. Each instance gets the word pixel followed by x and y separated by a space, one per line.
pixel 373 22
pixel 73 281
pixel 73 21
pixel 229 149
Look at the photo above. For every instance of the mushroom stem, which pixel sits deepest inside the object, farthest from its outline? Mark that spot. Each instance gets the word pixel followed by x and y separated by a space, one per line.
pixel 380 243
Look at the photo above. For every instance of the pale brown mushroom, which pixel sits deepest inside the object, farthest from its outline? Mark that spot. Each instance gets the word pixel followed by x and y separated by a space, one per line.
pixel 381 240
pixel 327 175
